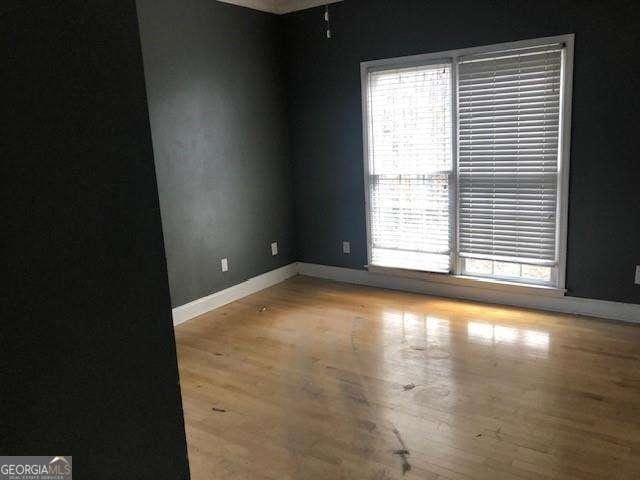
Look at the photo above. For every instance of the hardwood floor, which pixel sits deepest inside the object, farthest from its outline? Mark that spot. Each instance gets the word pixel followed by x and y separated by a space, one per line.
pixel 318 380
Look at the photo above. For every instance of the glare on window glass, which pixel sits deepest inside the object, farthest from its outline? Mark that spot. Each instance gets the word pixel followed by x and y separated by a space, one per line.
pixel 506 269
pixel 536 272
pixel 481 267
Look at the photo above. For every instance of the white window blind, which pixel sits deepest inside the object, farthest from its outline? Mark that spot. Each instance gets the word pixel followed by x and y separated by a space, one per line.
pixel 410 167
pixel 508 169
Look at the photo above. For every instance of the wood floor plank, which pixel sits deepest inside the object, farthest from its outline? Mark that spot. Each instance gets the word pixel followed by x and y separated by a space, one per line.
pixel 312 379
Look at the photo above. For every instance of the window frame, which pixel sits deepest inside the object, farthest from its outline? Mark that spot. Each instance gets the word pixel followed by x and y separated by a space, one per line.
pixel 558 275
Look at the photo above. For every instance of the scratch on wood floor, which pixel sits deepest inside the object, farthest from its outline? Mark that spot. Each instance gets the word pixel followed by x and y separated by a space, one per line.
pixel 402 452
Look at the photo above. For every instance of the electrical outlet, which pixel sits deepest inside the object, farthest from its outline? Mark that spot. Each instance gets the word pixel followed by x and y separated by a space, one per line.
pixel 224 264
pixel 637 274
pixel 274 248
pixel 346 247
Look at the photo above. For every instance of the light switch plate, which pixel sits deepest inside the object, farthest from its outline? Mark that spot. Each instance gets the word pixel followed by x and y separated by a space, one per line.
pixel 274 248
pixel 224 264
pixel 346 247
pixel 637 274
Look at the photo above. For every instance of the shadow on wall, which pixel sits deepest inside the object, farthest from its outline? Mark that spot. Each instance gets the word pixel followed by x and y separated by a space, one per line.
pixel 88 363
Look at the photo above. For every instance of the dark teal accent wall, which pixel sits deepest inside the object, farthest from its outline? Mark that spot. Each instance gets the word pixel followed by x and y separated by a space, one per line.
pixel 217 104
pixel 326 125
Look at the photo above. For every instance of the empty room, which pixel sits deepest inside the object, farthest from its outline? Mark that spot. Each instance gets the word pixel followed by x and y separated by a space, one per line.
pixel 301 239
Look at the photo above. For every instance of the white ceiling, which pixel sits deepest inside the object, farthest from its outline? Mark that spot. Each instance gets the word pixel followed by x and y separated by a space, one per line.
pixel 280 6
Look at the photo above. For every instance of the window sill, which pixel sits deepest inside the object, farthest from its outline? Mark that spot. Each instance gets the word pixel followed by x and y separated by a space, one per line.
pixel 468 281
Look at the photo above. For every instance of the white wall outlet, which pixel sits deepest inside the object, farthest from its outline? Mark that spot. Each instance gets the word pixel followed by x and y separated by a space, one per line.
pixel 637 274
pixel 346 247
pixel 274 248
pixel 224 264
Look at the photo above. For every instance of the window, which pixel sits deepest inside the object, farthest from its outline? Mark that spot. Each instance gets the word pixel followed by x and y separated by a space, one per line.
pixel 466 161
pixel 411 167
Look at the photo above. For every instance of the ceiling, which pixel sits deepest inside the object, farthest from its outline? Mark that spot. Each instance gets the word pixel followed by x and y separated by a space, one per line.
pixel 280 6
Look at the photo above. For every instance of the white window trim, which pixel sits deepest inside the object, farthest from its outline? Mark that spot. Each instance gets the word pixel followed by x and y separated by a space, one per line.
pixel 563 162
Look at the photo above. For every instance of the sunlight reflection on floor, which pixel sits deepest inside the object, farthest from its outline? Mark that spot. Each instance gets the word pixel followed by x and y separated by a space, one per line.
pixel 495 334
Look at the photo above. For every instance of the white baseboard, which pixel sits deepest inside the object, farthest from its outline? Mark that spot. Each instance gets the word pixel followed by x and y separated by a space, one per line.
pixel 210 302
pixel 627 312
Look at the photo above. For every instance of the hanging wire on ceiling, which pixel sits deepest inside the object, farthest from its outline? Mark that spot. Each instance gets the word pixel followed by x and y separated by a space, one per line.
pixel 327 21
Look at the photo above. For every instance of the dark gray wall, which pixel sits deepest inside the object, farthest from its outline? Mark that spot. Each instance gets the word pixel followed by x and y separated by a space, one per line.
pixel 215 85
pixel 87 353
pixel 326 124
